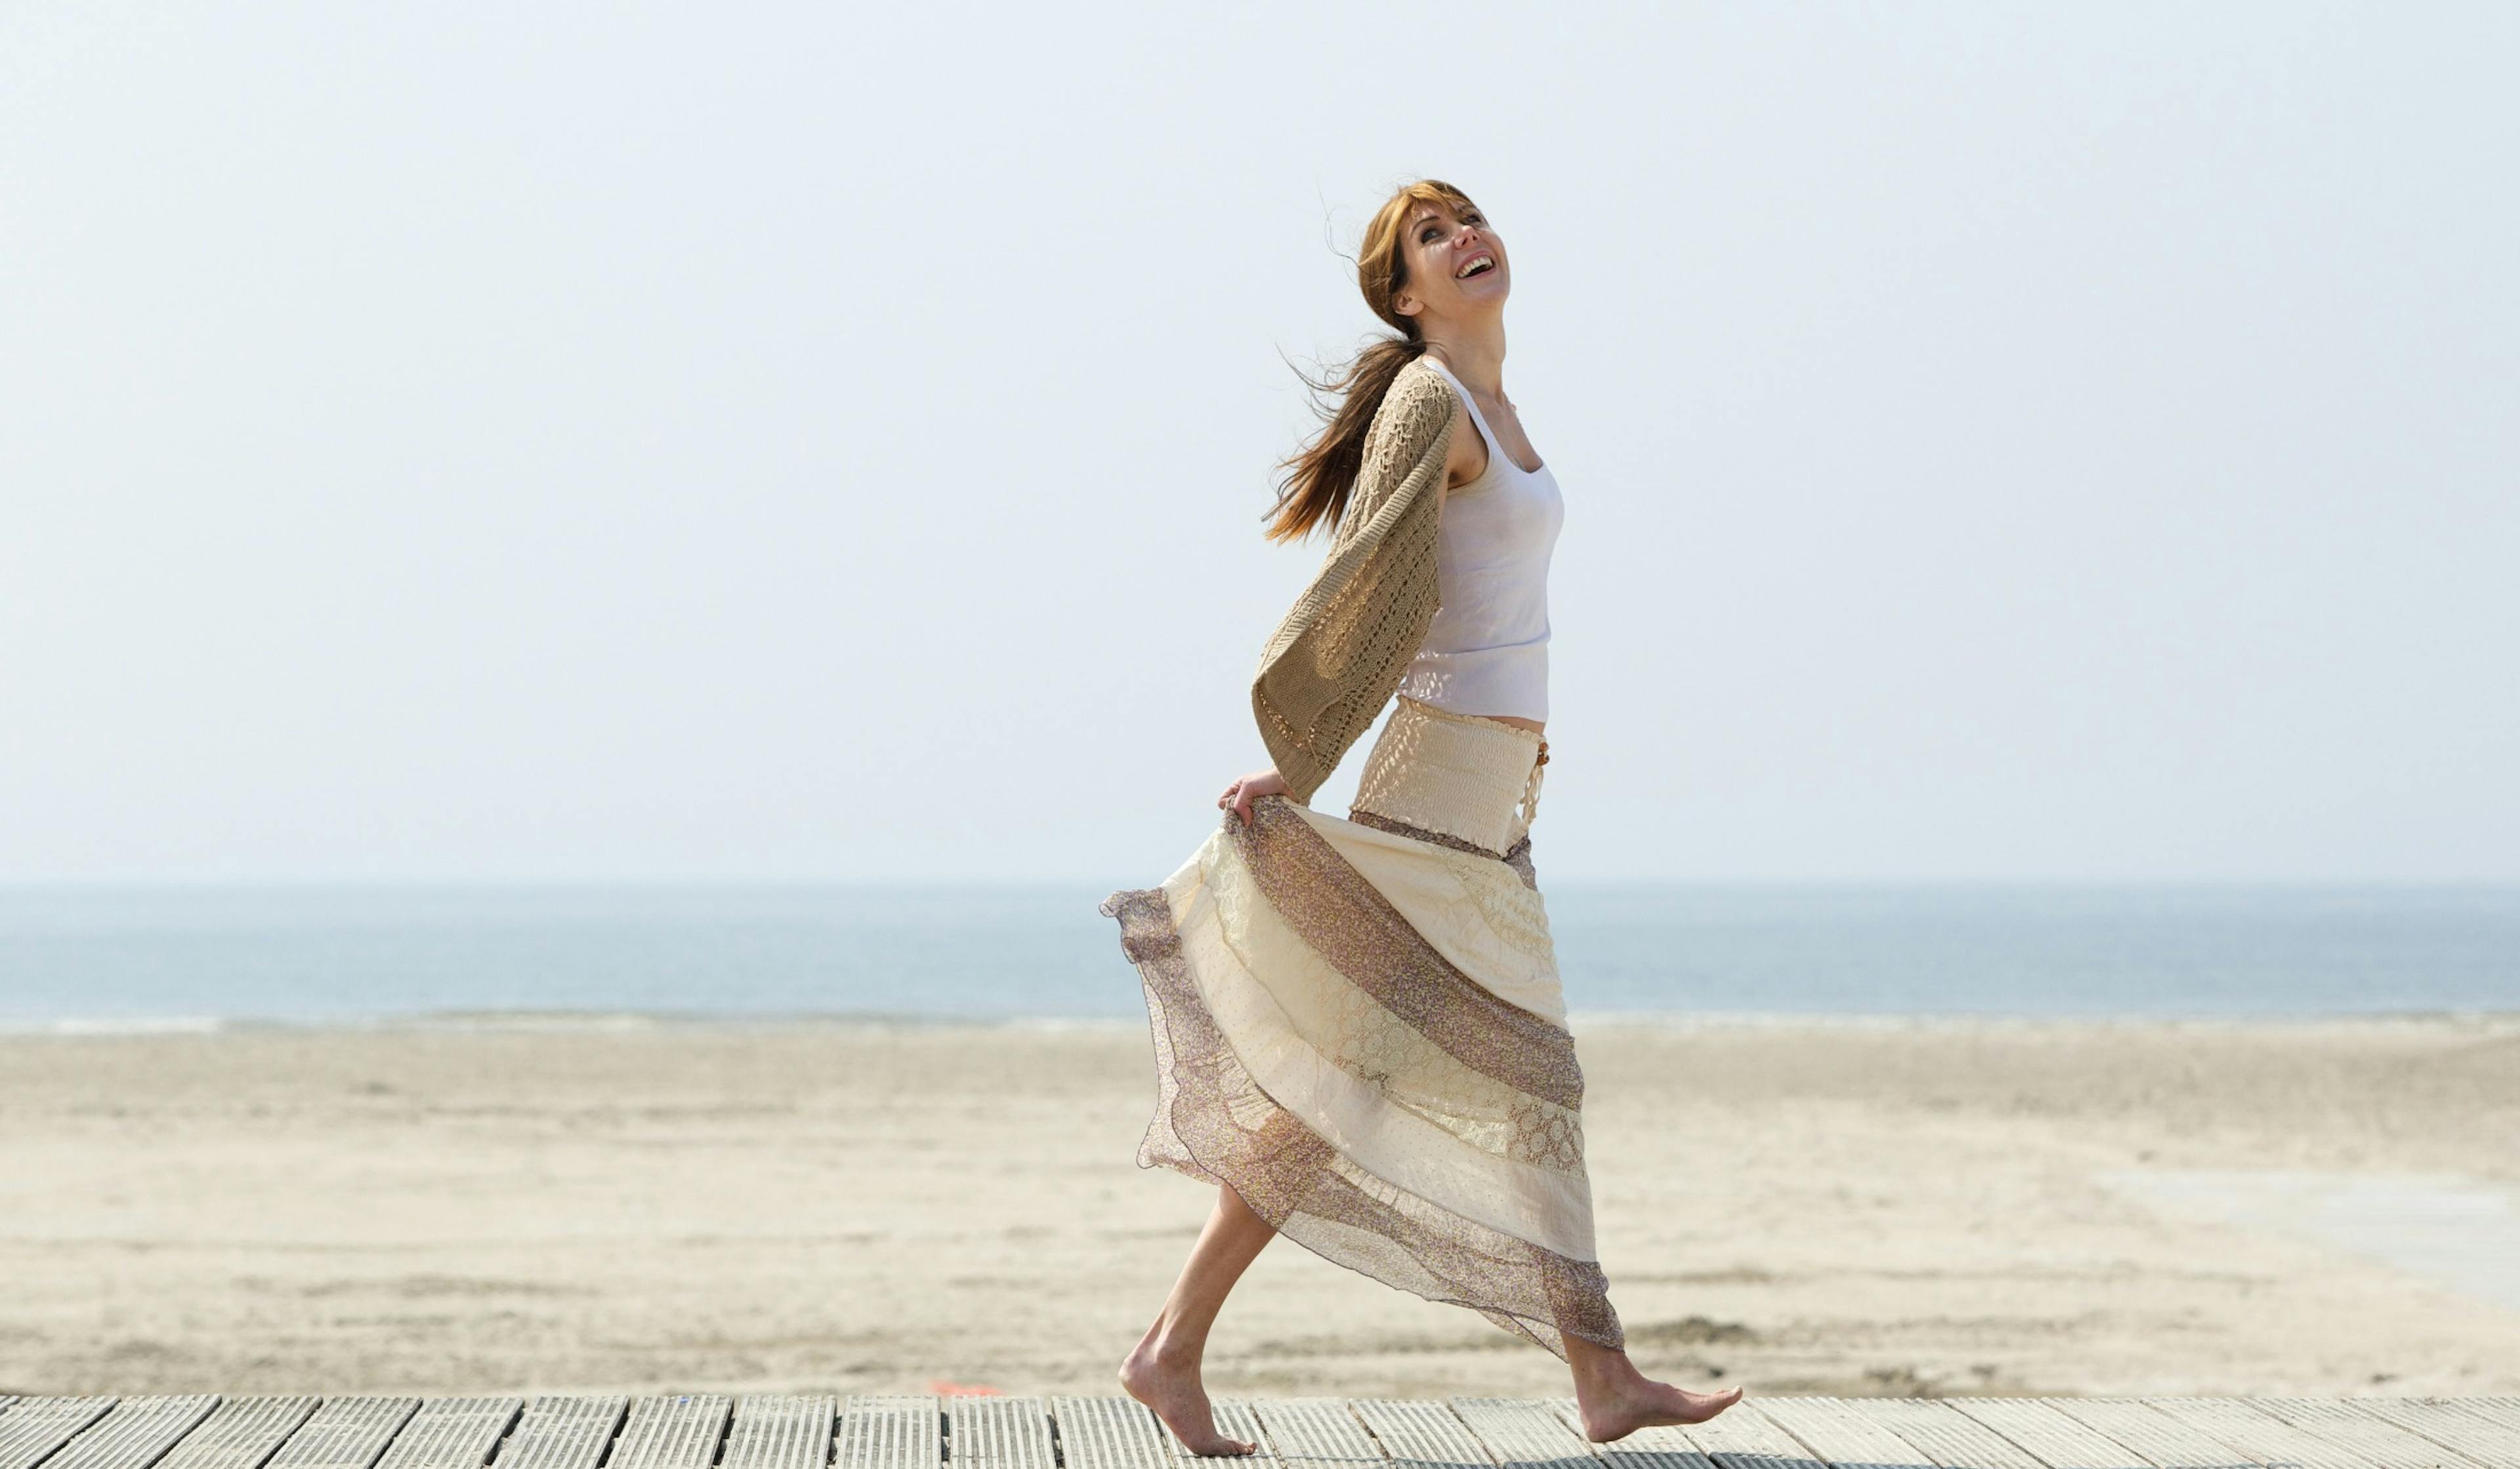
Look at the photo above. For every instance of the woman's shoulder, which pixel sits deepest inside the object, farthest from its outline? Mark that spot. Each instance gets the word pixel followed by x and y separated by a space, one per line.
pixel 1419 406
pixel 1421 378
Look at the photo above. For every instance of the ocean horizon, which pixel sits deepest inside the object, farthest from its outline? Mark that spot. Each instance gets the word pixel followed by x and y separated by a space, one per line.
pixel 97 959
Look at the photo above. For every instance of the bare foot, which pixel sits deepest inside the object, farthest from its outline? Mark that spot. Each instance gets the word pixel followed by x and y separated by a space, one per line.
pixel 1174 1392
pixel 1618 1409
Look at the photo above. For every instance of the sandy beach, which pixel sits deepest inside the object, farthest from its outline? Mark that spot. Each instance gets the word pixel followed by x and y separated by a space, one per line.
pixel 1803 1206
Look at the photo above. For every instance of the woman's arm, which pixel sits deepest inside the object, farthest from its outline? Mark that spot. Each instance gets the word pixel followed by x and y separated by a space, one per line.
pixel 1341 652
pixel 1464 460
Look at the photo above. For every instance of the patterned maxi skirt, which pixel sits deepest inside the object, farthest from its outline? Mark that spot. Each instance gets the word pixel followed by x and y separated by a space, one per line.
pixel 1358 1025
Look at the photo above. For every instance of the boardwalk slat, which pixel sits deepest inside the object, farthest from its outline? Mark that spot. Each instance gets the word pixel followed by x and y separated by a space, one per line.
pixel 563 1432
pixel 795 1431
pixel 345 1433
pixel 2480 1438
pixel 1236 1418
pixel 136 1434
pixel 1420 1435
pixel 1314 1433
pixel 451 1433
pixel 2503 1410
pixel 885 1433
pixel 1520 1434
pixel 2262 1437
pixel 2055 1439
pixel 1109 1432
pixel 34 1427
pixel 2450 1421
pixel 680 1431
pixel 240 1432
pixel 2155 1435
pixel 1742 1437
pixel 1945 1435
pixel 999 1433
pixel 1645 1449
pixel 2374 1439
pixel 1837 1430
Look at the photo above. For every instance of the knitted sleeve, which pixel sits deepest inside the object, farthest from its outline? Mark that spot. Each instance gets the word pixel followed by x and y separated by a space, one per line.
pixel 1336 659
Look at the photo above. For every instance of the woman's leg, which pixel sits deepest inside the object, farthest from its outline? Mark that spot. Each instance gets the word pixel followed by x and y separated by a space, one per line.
pixel 1615 1399
pixel 1163 1372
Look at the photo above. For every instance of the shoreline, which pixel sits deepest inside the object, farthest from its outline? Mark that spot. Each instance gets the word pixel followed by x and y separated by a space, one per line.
pixel 2488 1021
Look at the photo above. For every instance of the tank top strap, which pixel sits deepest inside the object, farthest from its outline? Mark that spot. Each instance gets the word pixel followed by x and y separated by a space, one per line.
pixel 1487 435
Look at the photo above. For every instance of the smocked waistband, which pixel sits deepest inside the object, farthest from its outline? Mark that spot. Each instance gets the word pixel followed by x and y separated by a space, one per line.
pixel 1462 775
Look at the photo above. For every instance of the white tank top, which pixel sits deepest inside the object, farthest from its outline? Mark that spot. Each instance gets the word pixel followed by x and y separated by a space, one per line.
pixel 1487 650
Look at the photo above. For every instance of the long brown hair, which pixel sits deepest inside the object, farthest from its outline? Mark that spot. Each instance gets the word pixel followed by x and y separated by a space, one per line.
pixel 1314 492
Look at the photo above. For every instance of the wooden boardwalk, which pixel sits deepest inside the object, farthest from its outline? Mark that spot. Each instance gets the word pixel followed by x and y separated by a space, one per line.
pixel 707 1431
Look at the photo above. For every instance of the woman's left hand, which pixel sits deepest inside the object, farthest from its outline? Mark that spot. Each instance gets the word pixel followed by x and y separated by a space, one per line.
pixel 1239 795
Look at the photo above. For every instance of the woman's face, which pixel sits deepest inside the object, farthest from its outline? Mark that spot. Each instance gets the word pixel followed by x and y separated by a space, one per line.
pixel 1456 264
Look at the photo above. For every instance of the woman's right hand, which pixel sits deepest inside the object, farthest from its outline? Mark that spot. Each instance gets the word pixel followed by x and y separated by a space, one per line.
pixel 1239 795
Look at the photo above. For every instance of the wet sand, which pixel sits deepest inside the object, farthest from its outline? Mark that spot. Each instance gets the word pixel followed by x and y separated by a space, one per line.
pixel 1803 1206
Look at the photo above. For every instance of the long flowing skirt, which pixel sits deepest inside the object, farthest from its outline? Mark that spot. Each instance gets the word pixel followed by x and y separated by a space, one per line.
pixel 1358 1025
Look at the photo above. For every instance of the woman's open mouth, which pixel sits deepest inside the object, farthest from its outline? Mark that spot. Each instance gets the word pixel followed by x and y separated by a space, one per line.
pixel 1477 265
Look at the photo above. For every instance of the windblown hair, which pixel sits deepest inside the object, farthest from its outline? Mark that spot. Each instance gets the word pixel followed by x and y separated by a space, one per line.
pixel 1314 492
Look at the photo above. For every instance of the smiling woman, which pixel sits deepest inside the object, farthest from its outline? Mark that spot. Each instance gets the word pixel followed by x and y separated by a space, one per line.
pixel 1360 1036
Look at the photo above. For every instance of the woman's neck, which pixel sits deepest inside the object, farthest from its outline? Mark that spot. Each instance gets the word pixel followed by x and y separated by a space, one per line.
pixel 1476 352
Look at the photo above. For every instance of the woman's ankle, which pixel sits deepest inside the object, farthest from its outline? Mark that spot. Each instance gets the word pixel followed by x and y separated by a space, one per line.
pixel 1596 1367
pixel 1172 1350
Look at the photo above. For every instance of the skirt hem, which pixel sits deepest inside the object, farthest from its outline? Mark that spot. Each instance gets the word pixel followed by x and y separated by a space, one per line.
pixel 1214 1122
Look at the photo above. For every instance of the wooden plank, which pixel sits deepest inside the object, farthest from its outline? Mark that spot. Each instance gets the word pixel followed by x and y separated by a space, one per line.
pixel 2155 1435
pixel 1945 1433
pixel 672 1432
pixel 2056 1438
pixel 2503 1410
pixel 884 1433
pixel 1837 1430
pixel 136 1434
pixel 2374 1439
pixel 1110 1432
pixel 795 1431
pixel 563 1432
pixel 2261 1437
pixel 1521 1434
pixel 451 1433
pixel 1314 1433
pixel 240 1432
pixel 345 1433
pixel 999 1433
pixel 1645 1449
pixel 1743 1438
pixel 2480 1438
pixel 1418 1434
pixel 34 1427
pixel 1236 1418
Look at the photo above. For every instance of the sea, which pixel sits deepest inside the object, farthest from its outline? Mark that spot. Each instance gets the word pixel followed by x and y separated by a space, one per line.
pixel 85 959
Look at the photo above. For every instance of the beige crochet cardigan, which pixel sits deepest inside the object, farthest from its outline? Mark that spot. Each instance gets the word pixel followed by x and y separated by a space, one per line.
pixel 1336 659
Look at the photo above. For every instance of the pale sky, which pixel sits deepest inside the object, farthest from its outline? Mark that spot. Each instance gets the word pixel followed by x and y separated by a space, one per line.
pixel 488 442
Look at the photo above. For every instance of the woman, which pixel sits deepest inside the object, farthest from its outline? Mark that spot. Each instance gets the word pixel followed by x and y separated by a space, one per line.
pixel 1359 1031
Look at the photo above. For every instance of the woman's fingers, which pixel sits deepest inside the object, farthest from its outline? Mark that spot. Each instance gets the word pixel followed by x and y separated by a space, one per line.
pixel 1239 795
